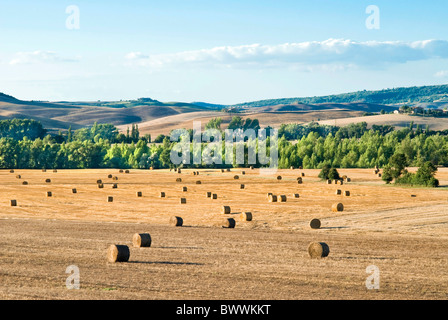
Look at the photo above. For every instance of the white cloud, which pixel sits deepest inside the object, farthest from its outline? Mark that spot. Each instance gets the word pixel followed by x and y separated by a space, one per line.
pixel 38 57
pixel 441 74
pixel 333 52
pixel 136 56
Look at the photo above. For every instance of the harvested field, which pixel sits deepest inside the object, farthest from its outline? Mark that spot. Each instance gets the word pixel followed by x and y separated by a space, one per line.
pixel 405 237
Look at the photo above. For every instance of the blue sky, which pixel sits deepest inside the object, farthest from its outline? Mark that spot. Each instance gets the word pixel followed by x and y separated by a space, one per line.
pixel 218 51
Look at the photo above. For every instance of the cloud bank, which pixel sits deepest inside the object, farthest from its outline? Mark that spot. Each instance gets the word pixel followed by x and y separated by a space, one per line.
pixel 332 52
pixel 38 56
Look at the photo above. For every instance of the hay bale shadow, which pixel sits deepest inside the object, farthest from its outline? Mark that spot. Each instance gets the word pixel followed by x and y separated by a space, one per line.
pixel 169 263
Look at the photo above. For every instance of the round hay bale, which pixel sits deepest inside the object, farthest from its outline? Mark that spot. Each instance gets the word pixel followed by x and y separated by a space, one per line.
pixel 222 170
pixel 110 199
pixel 337 207
pixel 18 176
pixel 139 194
pixel 120 171
pixel 376 171
pixel 198 182
pixel 413 196
pixel 338 192
pixel 25 183
pixel 225 210
pixel 272 198
pixel 55 170
pixel 340 182
pixel 299 180
pixel 100 185
pixel 229 223
pixel 279 178
pixel 141 240
pixel 179 171
pixel 282 198
pixel 197 173
pixel 183 200
pixel 109 176
pixel 115 178
pixel 269 194
pixel 328 181
pixel 236 177
pixel 99 181
pixel 49 194
pixel 162 194
pixel 302 174
pixel 348 180
pixel 194 173
pixel 74 190
pixel 114 186
pixel 176 221
pixel 214 196
pixel 184 189
pixel 47 180
pixel 344 177
pixel 126 171
pixel 251 167
pixel 347 193
pixel 300 167
pixel 179 180
pixel 318 250
pixel 13 203
pixel 228 169
pixel 209 194
pixel 292 167
pixel 243 173
pixel 379 175
pixel 11 171
pixel 118 253
pixel 44 170
pixel 315 224
pixel 296 195
pixel 242 186
pixel 246 216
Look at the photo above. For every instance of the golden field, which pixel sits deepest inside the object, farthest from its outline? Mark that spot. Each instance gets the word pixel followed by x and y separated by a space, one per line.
pixel 401 230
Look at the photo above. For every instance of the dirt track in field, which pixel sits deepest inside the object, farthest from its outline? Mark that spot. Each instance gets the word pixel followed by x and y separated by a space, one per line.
pixel 402 231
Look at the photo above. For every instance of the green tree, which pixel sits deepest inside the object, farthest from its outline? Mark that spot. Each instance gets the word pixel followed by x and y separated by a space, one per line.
pixel 333 174
pixel 323 174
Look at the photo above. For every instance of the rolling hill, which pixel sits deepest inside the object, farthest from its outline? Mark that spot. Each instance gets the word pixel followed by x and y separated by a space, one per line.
pixel 158 117
pixel 396 96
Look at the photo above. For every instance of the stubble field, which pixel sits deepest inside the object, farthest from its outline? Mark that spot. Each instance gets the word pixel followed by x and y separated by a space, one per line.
pixel 402 231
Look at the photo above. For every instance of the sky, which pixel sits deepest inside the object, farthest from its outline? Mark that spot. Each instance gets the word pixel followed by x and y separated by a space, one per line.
pixel 223 52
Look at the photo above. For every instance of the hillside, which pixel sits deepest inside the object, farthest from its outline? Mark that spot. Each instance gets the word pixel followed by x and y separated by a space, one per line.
pixel 395 96
pixel 61 115
pixel 157 117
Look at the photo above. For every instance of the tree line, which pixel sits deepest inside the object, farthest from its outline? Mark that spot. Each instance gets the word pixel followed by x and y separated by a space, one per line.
pixel 24 144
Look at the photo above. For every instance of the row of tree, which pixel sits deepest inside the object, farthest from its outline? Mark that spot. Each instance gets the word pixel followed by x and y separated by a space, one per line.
pixel 321 147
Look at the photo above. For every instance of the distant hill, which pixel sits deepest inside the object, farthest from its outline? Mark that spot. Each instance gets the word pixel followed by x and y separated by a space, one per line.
pixel 209 105
pixel 365 107
pixel 63 114
pixel 5 97
pixel 159 117
pixel 396 96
